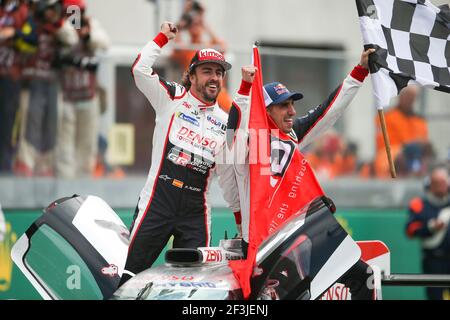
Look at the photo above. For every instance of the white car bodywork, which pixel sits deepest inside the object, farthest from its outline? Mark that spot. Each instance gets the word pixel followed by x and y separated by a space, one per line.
pixel 77 250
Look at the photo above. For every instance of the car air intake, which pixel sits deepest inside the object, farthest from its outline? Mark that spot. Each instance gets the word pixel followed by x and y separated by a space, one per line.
pixel 183 256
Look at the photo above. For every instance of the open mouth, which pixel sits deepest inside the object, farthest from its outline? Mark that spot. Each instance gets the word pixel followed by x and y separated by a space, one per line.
pixel 212 87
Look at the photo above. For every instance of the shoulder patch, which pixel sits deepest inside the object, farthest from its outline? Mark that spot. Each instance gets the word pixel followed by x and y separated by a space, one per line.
pixel 174 90
pixel 416 205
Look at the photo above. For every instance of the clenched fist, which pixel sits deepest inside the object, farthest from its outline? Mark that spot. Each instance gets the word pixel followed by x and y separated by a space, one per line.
pixel 169 29
pixel 248 73
pixel 364 62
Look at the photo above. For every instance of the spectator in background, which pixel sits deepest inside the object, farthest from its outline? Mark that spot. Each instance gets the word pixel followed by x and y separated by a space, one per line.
pixel 350 164
pixel 53 34
pixel 332 157
pixel 200 36
pixel 415 159
pixel 13 15
pixel 78 130
pixel 429 220
pixel 408 135
pixel 102 167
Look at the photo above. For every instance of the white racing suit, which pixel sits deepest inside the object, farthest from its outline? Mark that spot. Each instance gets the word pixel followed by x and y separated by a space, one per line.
pixel 188 136
pixel 305 129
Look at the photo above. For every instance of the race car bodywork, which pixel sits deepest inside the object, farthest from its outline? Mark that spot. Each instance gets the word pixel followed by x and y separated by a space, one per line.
pixel 78 247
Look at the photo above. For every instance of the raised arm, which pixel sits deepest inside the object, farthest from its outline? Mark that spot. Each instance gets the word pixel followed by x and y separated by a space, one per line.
pixel 157 90
pixel 240 108
pixel 324 116
pixel 225 166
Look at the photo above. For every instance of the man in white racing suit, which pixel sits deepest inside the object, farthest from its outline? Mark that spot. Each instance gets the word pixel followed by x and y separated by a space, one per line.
pixel 189 134
pixel 301 130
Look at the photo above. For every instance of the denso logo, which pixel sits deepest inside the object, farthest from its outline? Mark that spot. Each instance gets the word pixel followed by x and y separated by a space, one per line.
pixel 210 53
pixel 337 292
pixel 192 137
pixel 188 284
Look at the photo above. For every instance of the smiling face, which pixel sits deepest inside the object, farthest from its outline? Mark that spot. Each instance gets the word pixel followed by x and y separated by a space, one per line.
pixel 207 81
pixel 283 115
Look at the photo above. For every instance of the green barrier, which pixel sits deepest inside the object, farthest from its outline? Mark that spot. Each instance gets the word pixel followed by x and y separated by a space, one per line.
pixel 387 226
pixel 362 224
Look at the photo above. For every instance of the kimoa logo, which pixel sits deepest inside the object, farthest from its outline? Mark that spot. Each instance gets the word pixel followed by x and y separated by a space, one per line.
pixel 210 53
pixel 6 264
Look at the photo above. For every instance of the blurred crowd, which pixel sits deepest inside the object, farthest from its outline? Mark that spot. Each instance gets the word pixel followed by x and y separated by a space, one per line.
pixel 331 155
pixel 51 103
pixel 411 149
pixel 49 95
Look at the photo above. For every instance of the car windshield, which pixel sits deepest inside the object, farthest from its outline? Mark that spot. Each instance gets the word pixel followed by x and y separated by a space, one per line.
pixel 285 280
pixel 288 228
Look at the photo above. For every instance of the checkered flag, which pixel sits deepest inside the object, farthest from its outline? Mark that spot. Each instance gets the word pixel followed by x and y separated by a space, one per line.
pixel 411 38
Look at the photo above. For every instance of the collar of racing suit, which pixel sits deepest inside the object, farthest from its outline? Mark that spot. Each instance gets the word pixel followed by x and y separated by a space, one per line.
pixel 202 104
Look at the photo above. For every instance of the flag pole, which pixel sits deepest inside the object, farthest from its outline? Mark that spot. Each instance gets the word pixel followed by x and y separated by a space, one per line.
pixel 387 143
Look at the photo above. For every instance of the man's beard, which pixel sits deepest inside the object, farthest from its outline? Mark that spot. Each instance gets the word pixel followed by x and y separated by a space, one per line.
pixel 208 97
